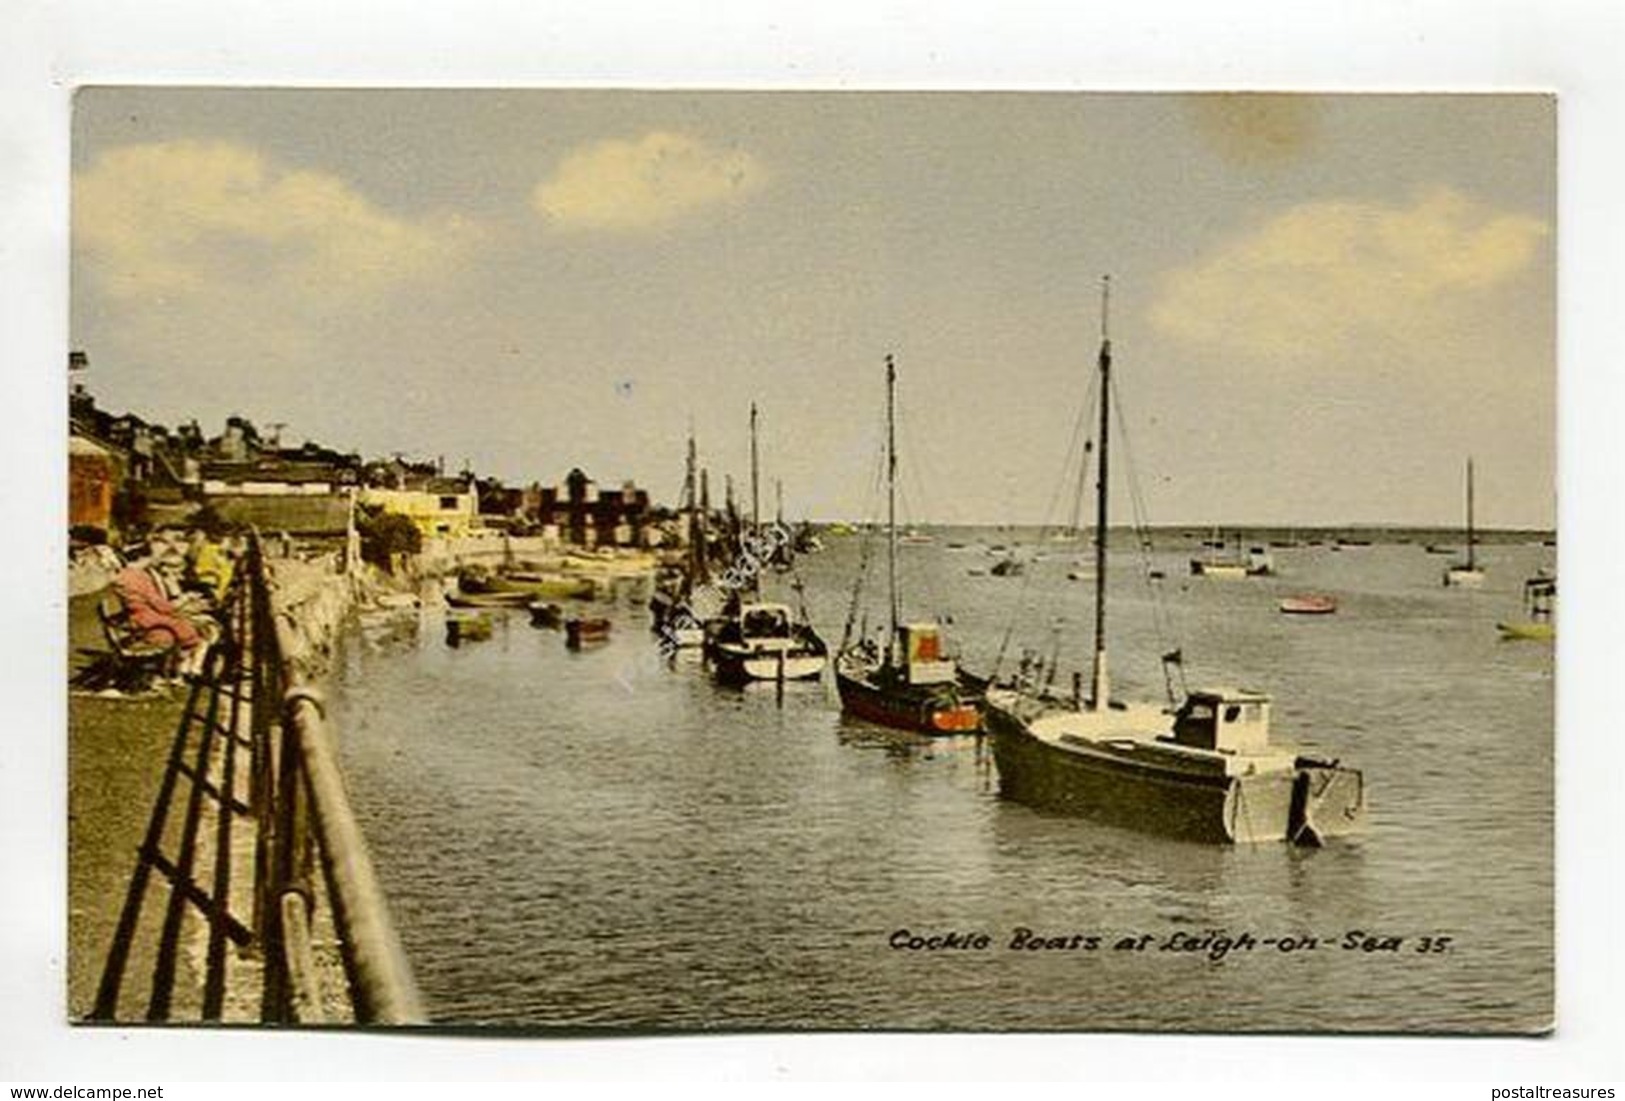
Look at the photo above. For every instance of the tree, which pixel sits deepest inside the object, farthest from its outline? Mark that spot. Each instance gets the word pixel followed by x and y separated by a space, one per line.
pixel 384 535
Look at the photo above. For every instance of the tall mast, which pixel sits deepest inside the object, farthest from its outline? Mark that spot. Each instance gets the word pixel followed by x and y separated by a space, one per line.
pixel 891 501
pixel 1101 684
pixel 1470 539
pixel 755 501
pixel 696 552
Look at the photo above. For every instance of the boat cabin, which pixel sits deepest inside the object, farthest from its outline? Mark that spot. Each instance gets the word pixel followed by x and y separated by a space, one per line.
pixel 1540 597
pixel 923 659
pixel 1228 720
pixel 764 621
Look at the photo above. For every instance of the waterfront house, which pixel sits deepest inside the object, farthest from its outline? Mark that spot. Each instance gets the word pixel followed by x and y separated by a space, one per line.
pixel 581 514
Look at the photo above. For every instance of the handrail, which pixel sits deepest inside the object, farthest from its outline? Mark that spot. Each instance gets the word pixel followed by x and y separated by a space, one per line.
pixel 305 814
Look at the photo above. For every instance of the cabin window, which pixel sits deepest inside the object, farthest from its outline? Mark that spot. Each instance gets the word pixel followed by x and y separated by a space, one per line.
pixel 448 504
pixel 1232 712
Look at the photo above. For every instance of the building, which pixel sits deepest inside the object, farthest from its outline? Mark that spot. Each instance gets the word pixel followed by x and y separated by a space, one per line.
pixel 581 514
pixel 443 507
pixel 93 479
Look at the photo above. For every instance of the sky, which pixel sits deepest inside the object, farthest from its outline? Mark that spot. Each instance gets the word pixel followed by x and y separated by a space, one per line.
pixel 1322 305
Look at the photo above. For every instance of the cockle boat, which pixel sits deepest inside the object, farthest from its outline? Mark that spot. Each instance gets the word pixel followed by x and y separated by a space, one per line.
pixel 755 640
pixel 1204 771
pixel 910 683
pixel 761 641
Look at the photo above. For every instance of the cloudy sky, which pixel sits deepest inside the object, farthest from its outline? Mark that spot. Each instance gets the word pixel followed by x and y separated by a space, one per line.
pixel 1321 304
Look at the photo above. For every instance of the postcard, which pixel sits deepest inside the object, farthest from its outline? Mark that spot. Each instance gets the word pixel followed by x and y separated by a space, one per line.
pixel 642 561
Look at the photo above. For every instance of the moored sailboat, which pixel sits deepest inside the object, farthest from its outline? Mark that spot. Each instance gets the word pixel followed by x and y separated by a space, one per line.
pixel 910 682
pixel 670 608
pixel 1205 771
pixel 1467 574
pixel 753 639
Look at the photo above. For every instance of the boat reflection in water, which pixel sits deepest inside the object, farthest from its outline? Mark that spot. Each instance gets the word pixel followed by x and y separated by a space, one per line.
pixel 1205 772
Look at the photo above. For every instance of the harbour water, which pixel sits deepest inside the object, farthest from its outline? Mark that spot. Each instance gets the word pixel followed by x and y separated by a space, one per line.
pixel 601 840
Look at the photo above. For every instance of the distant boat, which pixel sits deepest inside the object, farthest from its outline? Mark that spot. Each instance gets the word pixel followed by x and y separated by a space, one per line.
pixel 1439 548
pixel 522 587
pixel 915 537
pixel 461 629
pixel 1466 574
pixel 1539 622
pixel 1309 604
pixel 489 600
pixel 1007 567
pixel 580 632
pixel 1206 771
pixel 910 682
pixel 1222 563
pixel 543 614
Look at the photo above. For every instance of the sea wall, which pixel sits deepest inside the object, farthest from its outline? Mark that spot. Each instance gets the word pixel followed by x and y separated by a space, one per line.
pixel 310 600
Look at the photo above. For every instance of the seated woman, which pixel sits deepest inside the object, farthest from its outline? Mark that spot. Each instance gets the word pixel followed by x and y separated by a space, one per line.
pixel 208 567
pixel 161 618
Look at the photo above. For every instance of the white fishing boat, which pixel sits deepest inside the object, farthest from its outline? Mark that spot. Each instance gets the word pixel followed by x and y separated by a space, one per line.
pixel 762 641
pixel 755 639
pixel 1204 770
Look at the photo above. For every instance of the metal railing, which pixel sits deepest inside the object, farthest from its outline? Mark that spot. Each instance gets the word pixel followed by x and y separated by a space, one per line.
pixel 308 829
pixel 311 882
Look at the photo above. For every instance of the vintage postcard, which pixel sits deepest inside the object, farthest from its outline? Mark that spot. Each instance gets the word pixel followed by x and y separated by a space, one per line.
pixel 562 560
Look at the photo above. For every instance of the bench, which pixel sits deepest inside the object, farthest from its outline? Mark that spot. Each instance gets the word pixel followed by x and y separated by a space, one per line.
pixel 132 661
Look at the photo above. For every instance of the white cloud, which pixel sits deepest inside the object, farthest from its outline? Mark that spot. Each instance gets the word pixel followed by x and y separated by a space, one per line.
pixel 187 220
pixel 1323 275
pixel 657 179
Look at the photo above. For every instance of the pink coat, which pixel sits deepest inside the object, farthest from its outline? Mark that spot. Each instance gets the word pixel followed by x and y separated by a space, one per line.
pixel 150 609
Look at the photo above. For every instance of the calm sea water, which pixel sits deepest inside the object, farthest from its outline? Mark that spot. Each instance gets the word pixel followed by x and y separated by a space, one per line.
pixel 599 840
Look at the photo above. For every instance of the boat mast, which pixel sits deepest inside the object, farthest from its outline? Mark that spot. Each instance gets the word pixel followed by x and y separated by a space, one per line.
pixel 696 548
pixel 1470 539
pixel 891 501
pixel 1101 684
pixel 755 502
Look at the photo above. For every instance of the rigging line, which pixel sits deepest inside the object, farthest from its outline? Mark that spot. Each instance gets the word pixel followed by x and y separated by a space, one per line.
pixel 1161 618
pixel 1076 458
pixel 1020 607
pixel 1083 460
pixel 909 460
pixel 866 535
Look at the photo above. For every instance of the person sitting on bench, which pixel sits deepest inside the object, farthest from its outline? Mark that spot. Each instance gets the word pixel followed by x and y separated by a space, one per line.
pixel 162 619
